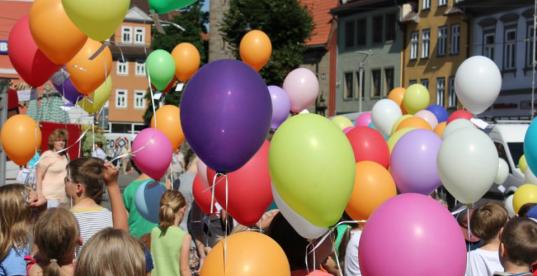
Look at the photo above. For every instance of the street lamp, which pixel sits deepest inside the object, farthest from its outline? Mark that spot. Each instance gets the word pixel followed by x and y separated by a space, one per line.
pixel 361 66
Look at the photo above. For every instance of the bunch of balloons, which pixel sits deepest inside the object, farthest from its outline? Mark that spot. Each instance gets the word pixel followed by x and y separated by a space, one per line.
pixel 164 68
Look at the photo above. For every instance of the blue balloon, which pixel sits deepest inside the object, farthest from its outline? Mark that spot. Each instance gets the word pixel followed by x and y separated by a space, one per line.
pixel 439 111
pixel 532 213
pixel 147 199
pixel 530 146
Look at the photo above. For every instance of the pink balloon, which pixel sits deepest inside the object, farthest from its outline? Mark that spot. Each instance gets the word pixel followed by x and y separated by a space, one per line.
pixel 319 273
pixel 412 234
pixel 346 130
pixel 302 86
pixel 428 116
pixel 363 119
pixel 152 152
pixel 202 172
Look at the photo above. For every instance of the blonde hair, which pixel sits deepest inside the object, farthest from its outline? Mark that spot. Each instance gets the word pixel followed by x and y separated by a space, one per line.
pixel 170 203
pixel 56 234
pixel 111 252
pixel 14 217
pixel 57 134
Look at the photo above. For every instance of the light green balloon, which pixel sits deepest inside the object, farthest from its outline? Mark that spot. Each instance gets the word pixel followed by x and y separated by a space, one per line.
pixel 99 97
pixel 416 98
pixel 161 68
pixel 312 168
pixel 342 122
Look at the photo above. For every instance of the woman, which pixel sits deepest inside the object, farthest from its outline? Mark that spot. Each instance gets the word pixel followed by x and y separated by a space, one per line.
pixel 51 169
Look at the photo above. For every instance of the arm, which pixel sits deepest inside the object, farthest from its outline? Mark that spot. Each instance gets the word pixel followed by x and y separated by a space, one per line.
pixel 119 213
pixel 185 256
pixel 37 199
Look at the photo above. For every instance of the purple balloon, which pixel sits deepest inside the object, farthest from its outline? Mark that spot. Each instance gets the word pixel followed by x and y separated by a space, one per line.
pixel 439 111
pixel 226 113
pixel 152 152
pixel 281 105
pixel 63 84
pixel 413 162
pixel 417 235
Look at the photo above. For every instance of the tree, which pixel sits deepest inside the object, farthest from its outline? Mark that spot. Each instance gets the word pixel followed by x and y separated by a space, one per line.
pixel 286 22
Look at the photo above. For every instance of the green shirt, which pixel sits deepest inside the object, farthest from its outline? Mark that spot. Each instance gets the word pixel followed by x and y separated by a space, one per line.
pixel 138 226
pixel 166 250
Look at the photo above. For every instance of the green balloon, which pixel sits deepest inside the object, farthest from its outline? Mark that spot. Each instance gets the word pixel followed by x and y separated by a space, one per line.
pixel 312 168
pixel 165 6
pixel 160 68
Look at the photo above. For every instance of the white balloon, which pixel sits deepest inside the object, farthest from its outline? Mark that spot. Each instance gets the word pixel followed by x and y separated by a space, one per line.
pixel 456 125
pixel 385 114
pixel 503 172
pixel 303 227
pixel 508 203
pixel 530 177
pixel 478 82
pixel 467 164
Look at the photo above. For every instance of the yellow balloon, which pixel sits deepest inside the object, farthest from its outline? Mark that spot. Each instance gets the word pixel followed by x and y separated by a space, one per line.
pixel 342 122
pixel 95 101
pixel 522 164
pixel 402 118
pixel 397 135
pixel 416 98
pixel 526 193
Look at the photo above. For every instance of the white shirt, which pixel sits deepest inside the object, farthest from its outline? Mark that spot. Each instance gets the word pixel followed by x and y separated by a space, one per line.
pixel 483 263
pixel 352 266
pixel 99 153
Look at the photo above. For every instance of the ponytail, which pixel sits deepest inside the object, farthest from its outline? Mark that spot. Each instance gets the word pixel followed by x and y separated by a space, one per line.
pixel 170 203
pixel 52 268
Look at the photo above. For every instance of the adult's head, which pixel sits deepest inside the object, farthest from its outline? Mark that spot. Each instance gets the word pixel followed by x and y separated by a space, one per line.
pixel 57 140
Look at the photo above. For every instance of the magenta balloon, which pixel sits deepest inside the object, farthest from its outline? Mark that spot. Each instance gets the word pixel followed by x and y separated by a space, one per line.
pixel 152 152
pixel 281 106
pixel 411 235
pixel 413 162
pixel 363 119
pixel 347 129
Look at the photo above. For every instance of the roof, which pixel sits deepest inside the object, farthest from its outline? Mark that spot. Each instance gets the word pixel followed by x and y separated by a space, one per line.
pixel 478 7
pixel 354 6
pixel 322 20
pixel 136 14
pixel 10 12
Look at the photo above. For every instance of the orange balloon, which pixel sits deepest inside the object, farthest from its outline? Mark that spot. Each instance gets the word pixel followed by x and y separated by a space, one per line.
pixel 187 60
pixel 397 94
pixel 414 122
pixel 87 74
pixel 168 121
pixel 53 32
pixel 256 49
pixel 21 138
pixel 439 129
pixel 247 254
pixel 373 185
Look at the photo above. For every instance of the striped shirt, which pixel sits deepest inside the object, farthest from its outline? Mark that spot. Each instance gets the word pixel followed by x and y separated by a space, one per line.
pixel 91 221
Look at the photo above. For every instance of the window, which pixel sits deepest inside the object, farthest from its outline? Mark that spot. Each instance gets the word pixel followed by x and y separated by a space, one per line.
pixel 509 57
pixel 388 80
pixel 139 101
pixel 377 29
pixel 488 44
pixel 348 92
pixel 426 4
pixel 452 96
pixel 442 41
pixel 126 35
pixel 375 84
pixel 425 82
pixel 349 34
pixel 122 68
pixel 361 84
pixel 529 46
pixel 425 43
pixel 391 25
pixel 139 35
pixel 140 69
pixel 455 39
pixel 442 3
pixel 121 98
pixel 440 90
pixel 411 82
pixel 414 45
pixel 361 32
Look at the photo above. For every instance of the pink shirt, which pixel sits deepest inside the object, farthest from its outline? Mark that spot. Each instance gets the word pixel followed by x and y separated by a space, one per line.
pixel 53 185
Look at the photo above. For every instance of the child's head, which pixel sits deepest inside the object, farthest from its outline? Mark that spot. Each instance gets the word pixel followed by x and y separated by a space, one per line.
pixel 56 235
pixel 519 242
pixel 85 178
pixel 14 216
pixel 487 221
pixel 172 208
pixel 111 252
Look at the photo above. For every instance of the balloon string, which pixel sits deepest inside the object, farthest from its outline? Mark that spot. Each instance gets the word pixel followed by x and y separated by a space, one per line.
pixel 226 225
pixel 319 242
pixel 92 138
pixel 212 192
pixel 152 97
pixel 132 153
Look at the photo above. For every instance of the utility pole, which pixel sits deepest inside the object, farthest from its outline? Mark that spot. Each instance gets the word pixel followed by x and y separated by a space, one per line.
pixel 361 66
pixel 4 85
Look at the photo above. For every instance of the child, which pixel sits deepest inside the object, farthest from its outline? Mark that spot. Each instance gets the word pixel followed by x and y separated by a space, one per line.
pixel 486 223
pixel 518 247
pixel 56 235
pixel 170 245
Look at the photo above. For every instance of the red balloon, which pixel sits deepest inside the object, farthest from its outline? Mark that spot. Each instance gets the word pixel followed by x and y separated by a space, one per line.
pixel 202 195
pixel 31 64
pixel 459 114
pixel 369 145
pixel 249 188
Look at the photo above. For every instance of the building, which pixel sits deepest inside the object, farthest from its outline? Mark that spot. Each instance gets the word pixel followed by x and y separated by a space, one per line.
pixel 370 42
pixel 218 48
pixel 436 43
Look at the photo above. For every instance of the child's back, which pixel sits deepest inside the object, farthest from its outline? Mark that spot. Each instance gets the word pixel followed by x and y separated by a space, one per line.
pixel 166 248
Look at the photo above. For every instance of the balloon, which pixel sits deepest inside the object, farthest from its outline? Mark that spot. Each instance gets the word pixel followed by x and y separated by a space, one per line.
pixel 532 213
pixel 416 98
pixel 508 203
pixel 21 138
pixel 384 115
pixel 526 193
pixel 53 32
pixel 303 227
pixel 226 112
pixel 99 19
pixel 165 6
pixel 373 185
pixel 319 273
pixel 167 120
pixel 30 63
pixel 407 230
pixel 428 116
pixel 439 111
pixel 413 162
pixel 459 114
pixel 398 122
pixel 255 49
pixel 346 130
pixel 397 94
pixel 312 168
pixel 414 122
pixel 87 74
pixel 478 82
pixel 96 100
pixel 530 178
pixel 522 164
pixel 302 86
pixel 530 146
pixel 249 189
pixel 369 145
pixel 160 68
pixel 440 128
pixel 503 172
pixel 246 254
pixel 457 125
pixel 281 106
pixel 394 138
pixel 467 164
pixel 152 152
pixel 147 199
pixel 202 172
pixel 364 119
pixel 202 195
pixel 342 122
pixel 187 60
pixel 65 87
